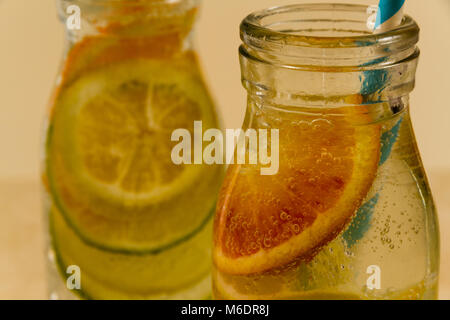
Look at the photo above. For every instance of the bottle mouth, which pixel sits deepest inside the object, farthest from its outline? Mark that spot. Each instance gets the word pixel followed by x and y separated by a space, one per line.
pixel 133 7
pixel 326 34
pixel 134 2
pixel 131 18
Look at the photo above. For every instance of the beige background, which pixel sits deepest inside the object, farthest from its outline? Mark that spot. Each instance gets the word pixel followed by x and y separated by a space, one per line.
pixel 32 44
pixel 32 41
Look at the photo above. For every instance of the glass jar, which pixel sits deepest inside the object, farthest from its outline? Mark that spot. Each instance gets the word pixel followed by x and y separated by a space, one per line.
pixel 349 214
pixel 125 220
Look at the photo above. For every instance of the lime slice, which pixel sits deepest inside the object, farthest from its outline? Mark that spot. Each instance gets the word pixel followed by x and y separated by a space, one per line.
pixel 109 159
pixel 174 273
pixel 94 290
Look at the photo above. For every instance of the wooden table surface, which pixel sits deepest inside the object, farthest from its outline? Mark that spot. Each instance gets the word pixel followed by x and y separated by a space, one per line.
pixel 22 267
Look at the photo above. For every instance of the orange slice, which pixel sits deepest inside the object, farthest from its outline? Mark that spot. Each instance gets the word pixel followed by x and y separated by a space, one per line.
pixel 96 52
pixel 327 165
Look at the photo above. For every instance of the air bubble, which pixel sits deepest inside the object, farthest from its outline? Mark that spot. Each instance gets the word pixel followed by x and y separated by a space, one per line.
pixel 51 255
pixel 312 180
pixel 54 296
pixel 267 242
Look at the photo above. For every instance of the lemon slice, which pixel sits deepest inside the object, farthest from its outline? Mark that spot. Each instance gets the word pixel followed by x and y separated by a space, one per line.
pixel 109 155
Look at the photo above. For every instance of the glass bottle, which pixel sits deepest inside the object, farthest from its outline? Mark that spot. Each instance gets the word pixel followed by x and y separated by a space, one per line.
pixel 349 214
pixel 125 220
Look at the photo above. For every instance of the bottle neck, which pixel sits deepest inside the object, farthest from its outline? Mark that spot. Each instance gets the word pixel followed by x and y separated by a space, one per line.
pixel 128 19
pixel 321 54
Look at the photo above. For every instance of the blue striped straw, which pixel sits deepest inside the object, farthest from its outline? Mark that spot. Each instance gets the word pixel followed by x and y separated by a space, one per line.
pixel 389 15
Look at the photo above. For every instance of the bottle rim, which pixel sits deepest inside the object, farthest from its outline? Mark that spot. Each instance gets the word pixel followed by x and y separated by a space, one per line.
pixel 321 33
pixel 133 2
pixel 136 6
pixel 97 15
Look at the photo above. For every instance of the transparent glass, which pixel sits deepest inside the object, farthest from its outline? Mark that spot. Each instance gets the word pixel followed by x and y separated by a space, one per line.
pixel 350 214
pixel 126 221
